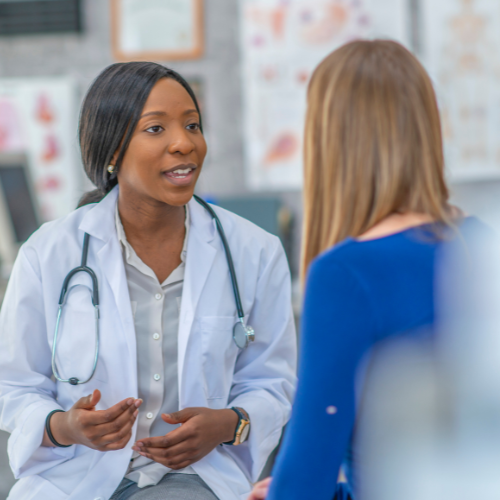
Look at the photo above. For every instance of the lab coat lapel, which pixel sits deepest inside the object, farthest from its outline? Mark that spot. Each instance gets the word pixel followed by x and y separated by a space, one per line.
pixel 200 256
pixel 100 224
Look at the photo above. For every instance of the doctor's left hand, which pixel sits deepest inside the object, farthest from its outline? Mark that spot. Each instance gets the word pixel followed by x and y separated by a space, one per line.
pixel 201 430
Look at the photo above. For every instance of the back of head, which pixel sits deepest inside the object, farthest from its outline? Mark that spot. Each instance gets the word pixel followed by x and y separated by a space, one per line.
pixel 109 115
pixel 373 144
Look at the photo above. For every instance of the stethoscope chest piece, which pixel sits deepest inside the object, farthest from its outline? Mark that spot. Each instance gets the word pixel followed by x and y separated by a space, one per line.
pixel 243 334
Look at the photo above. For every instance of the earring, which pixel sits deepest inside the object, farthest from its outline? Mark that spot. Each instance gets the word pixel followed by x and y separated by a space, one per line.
pixel 111 169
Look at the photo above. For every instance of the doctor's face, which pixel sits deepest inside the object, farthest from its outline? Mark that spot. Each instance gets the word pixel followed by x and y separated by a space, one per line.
pixel 166 153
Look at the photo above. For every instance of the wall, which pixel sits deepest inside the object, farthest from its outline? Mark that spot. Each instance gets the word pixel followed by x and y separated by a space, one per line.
pixel 83 56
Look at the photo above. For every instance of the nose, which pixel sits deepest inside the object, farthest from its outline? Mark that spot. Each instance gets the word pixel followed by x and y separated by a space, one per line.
pixel 180 142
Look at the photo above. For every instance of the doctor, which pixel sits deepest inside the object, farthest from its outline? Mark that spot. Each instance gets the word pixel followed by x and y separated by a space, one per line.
pixel 174 407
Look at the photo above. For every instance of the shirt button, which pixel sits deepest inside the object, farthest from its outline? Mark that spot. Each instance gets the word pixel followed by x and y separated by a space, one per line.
pixel 157 376
pixel 149 415
pixel 156 336
pixel 158 296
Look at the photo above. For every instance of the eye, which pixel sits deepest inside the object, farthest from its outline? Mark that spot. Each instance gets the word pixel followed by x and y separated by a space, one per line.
pixel 193 127
pixel 154 129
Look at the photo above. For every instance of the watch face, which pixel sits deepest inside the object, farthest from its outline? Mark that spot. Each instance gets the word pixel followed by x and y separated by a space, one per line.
pixel 244 433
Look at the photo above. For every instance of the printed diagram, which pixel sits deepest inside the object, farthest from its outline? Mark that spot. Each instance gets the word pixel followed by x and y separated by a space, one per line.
pixel 466 64
pixel 283 41
pixel 37 118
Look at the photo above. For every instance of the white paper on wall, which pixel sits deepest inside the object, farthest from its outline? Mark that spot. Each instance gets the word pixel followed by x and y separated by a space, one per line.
pixel 282 42
pixel 38 118
pixel 155 25
pixel 461 42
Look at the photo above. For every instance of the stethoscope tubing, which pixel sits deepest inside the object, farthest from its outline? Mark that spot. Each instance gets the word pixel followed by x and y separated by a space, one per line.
pixel 83 268
pixel 227 251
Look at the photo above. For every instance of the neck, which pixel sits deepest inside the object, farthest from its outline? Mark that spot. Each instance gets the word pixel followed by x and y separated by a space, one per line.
pixel 395 223
pixel 148 219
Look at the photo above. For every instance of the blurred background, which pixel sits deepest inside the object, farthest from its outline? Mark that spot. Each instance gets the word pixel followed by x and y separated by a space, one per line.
pixel 249 62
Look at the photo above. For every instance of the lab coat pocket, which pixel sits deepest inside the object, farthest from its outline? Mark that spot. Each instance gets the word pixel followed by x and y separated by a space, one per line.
pixel 219 358
pixel 76 340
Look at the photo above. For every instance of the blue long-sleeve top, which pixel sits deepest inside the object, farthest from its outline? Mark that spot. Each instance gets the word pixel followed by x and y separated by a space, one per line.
pixel 357 294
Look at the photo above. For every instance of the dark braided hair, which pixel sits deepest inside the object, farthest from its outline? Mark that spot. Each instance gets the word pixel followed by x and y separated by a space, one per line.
pixel 109 115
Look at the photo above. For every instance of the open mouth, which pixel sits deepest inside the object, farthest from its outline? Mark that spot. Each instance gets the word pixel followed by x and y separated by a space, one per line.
pixel 181 175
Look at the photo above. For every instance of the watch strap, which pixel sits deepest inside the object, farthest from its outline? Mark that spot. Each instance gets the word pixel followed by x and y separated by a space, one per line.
pixel 241 417
pixel 49 432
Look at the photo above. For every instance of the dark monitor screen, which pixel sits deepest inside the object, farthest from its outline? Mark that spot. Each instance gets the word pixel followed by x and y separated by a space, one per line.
pixel 19 202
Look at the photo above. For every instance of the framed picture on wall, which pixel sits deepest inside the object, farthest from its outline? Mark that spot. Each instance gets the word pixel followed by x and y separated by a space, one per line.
pixel 158 30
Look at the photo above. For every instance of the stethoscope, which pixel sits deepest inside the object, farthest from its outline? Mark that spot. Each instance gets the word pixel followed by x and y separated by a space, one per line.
pixel 242 333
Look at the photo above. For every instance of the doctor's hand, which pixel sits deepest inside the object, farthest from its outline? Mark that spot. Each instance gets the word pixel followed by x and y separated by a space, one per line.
pixel 103 430
pixel 201 430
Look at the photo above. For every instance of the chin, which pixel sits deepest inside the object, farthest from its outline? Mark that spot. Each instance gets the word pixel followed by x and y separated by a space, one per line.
pixel 178 199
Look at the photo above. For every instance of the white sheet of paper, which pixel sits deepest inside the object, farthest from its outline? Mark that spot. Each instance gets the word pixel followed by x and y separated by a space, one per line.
pixel 157 25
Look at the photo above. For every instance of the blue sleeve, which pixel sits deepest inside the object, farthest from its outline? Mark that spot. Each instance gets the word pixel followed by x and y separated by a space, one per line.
pixel 337 330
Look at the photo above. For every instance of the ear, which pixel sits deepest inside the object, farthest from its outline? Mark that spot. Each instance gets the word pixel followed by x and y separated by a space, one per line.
pixel 114 158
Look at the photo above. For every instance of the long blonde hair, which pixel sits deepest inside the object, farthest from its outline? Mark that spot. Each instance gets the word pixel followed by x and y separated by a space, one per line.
pixel 372 146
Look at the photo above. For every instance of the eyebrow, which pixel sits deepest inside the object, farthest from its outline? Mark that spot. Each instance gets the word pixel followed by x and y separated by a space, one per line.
pixel 162 113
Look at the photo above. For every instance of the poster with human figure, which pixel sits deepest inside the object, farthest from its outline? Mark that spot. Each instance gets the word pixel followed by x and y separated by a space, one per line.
pixel 282 42
pixel 461 42
pixel 38 118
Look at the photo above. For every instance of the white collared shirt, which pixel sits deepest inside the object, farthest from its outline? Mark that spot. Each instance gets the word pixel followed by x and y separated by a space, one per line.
pixel 156 309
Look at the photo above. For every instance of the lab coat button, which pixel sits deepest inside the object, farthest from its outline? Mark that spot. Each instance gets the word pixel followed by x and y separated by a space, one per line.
pixel 149 415
pixel 158 296
pixel 157 376
pixel 156 336
pixel 98 498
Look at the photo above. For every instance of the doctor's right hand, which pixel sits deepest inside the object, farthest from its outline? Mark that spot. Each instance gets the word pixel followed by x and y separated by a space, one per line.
pixel 103 430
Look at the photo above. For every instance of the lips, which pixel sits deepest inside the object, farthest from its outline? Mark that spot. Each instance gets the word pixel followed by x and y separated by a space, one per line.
pixel 180 175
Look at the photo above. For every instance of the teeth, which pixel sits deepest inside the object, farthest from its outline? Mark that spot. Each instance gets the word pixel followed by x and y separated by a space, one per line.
pixel 182 172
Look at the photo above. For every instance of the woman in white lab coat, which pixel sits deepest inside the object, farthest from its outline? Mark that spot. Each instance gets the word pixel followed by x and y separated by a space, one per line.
pixel 166 311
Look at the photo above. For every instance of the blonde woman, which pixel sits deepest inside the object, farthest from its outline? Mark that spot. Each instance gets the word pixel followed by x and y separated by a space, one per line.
pixel 376 212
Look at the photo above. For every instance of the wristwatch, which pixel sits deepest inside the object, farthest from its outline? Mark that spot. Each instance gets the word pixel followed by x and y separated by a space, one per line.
pixel 242 429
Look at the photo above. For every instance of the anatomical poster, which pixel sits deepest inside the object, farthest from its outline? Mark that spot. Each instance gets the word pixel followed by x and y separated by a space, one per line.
pixel 38 118
pixel 462 53
pixel 282 42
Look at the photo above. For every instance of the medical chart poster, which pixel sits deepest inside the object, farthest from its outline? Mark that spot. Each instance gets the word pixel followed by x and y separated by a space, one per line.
pixel 462 54
pixel 282 42
pixel 38 118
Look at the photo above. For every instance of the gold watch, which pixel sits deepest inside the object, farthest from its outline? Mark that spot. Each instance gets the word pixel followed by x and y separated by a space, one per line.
pixel 242 429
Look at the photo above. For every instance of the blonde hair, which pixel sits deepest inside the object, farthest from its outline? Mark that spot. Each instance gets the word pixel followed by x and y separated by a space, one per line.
pixel 373 144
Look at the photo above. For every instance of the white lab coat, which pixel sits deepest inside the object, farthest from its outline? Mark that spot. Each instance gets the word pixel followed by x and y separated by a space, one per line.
pixel 212 371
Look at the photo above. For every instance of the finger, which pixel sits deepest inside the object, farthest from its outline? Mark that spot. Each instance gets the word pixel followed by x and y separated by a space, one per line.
pixel 128 417
pixel 118 445
pixel 257 495
pixel 88 402
pixel 117 437
pixel 179 417
pixel 104 416
pixel 172 438
pixel 177 464
pixel 182 465
pixel 172 453
pixel 264 483
pixel 262 488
